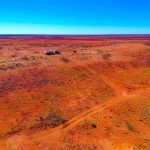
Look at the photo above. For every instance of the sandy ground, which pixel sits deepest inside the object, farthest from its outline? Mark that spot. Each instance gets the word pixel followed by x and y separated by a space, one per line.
pixel 95 95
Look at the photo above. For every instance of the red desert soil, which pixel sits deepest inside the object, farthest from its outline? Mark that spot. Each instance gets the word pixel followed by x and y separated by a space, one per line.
pixel 95 95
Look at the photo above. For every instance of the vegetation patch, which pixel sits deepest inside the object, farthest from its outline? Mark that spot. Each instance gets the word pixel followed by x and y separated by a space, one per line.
pixel 106 56
pixel 145 111
pixel 55 118
pixel 64 60
pixel 129 127
pixel 13 130
pixel 91 123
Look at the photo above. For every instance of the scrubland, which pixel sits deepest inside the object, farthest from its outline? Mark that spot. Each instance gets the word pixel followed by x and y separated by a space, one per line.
pixel 95 95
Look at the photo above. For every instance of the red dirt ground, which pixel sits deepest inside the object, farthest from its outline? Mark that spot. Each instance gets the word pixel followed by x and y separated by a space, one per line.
pixel 95 95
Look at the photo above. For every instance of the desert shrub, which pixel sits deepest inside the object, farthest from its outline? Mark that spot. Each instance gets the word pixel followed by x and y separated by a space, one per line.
pixel 52 119
pixel 99 51
pixel 146 112
pixel 14 55
pixel 106 56
pixel 13 130
pixel 55 118
pixel 90 123
pixel 129 126
pixel 121 65
pixel 75 51
pixel 54 96
pixel 65 60
pixel 93 125
pixel 16 65
pixel 25 58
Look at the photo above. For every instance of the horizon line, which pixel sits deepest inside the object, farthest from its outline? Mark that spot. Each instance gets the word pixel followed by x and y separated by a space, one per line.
pixel 128 34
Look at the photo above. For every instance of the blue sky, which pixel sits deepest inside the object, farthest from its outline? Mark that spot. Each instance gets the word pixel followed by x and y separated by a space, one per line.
pixel 74 17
